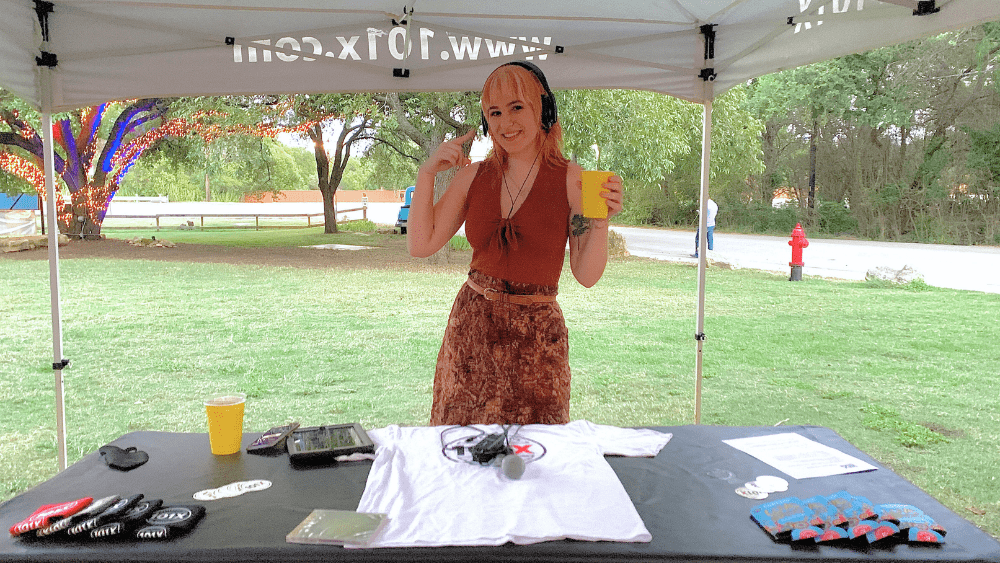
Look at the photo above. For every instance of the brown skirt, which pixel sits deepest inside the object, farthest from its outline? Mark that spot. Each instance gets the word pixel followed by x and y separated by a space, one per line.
pixel 502 363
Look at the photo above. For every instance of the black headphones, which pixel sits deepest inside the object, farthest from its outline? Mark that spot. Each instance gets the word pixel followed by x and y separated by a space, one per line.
pixel 549 116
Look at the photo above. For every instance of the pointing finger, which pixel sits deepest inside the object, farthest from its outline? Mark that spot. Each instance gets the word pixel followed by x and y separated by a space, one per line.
pixel 469 135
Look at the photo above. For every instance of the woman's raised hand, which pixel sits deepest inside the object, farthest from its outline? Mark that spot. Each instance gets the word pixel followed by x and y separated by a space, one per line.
pixel 449 154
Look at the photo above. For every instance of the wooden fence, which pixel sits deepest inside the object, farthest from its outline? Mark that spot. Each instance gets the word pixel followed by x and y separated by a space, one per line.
pixel 256 216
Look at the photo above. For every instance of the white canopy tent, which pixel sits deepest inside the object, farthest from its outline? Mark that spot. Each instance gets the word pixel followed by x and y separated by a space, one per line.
pixel 73 53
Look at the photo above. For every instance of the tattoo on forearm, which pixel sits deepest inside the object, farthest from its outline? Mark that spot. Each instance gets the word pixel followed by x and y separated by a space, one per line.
pixel 579 225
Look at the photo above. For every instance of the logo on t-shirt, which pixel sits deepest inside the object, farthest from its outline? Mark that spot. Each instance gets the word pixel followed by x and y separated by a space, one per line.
pixel 459 448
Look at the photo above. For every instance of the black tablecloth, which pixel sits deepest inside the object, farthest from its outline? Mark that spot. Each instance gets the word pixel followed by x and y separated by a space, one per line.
pixel 692 512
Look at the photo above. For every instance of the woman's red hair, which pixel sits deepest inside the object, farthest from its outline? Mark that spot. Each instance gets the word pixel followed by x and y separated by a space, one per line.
pixel 517 80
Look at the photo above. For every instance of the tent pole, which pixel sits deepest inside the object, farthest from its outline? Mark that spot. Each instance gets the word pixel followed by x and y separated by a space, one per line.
pixel 50 211
pixel 706 154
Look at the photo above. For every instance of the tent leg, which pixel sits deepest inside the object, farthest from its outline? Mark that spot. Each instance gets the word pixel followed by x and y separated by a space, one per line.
pixel 50 206
pixel 706 154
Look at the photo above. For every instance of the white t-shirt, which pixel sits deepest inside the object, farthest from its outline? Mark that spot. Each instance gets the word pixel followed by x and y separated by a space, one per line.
pixel 713 210
pixel 424 480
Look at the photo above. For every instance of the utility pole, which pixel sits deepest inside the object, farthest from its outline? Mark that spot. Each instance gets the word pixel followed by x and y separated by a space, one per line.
pixel 811 200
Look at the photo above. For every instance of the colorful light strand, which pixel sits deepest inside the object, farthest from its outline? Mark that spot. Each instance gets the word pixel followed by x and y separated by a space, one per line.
pixel 91 200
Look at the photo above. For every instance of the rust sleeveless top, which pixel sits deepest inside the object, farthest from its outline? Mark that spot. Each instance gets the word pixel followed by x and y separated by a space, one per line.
pixel 530 247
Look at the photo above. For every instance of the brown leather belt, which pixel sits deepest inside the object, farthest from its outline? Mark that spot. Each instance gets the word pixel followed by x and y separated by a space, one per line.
pixel 494 295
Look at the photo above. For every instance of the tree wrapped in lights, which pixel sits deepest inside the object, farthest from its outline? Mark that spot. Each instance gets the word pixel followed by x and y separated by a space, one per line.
pixel 97 146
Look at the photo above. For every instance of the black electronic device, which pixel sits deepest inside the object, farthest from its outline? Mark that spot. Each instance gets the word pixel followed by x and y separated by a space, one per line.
pixel 490 447
pixel 493 450
pixel 324 443
pixel 273 440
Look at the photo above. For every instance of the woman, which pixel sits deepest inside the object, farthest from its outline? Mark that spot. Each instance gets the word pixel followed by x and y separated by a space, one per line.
pixel 505 355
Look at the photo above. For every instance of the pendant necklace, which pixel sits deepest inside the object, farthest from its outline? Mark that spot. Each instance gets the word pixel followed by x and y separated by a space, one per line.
pixel 513 198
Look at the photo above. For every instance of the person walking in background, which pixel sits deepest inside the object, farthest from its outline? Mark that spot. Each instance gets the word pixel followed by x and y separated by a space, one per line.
pixel 713 210
pixel 505 353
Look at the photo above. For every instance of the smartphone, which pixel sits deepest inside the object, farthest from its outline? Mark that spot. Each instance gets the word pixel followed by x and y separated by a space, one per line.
pixel 273 439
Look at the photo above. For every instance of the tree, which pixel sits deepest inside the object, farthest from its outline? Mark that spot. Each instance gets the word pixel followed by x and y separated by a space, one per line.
pixel 654 143
pixel 735 157
pixel 350 120
pixel 891 128
pixel 416 123
pixel 97 147
pixel 227 169
pixel 234 149
pixel 805 99
pixel 603 128
pixel 379 168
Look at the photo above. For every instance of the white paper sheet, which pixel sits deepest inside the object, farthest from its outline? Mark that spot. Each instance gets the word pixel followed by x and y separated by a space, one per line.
pixel 798 456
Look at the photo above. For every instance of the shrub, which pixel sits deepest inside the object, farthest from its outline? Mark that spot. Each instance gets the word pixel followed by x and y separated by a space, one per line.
pixel 759 218
pixel 358 226
pixel 835 218
pixel 459 242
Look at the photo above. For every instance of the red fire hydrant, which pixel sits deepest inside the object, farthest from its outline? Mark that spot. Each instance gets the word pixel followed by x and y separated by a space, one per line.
pixel 797 243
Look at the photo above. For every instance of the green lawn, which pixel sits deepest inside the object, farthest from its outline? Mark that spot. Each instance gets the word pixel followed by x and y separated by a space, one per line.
pixel 909 376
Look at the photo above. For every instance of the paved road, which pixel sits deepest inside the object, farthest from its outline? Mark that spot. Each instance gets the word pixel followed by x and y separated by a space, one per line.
pixel 958 267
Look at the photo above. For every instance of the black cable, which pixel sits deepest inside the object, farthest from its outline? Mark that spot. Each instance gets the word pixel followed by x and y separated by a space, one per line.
pixel 444 447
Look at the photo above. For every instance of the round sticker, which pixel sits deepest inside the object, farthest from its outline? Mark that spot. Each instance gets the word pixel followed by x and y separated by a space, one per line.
pixel 769 483
pixel 755 494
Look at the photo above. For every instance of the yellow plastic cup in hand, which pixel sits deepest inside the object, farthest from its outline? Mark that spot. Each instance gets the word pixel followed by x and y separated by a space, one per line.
pixel 594 206
pixel 225 422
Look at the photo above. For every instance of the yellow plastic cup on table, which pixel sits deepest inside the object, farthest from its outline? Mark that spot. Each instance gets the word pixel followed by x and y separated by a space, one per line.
pixel 594 206
pixel 225 422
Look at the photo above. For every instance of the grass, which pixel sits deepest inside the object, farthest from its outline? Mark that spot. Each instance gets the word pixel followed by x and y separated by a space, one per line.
pixel 907 375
